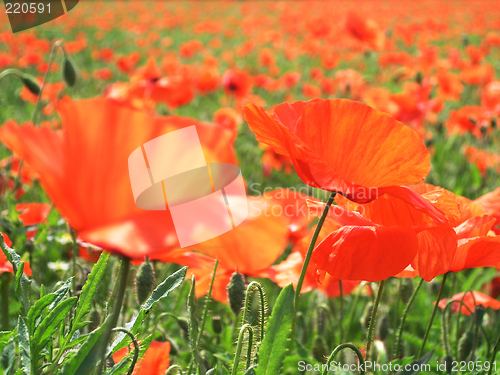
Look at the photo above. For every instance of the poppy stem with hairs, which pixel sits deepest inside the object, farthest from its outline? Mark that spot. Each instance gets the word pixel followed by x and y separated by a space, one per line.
pixel 436 305
pixel 340 348
pixel 403 318
pixel 311 248
pixel 5 283
pixel 118 302
pixel 372 320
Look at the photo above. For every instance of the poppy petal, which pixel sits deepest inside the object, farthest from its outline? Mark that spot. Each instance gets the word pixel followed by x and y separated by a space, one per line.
pixel 366 253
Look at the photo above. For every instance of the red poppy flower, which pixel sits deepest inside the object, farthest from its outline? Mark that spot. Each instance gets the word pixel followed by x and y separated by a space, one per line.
pixel 479 298
pixel 237 83
pixel 155 361
pixel 365 31
pixel 345 146
pixel 32 214
pixel 84 170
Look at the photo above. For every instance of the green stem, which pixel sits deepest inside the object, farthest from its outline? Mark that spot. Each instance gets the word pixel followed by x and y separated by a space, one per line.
pixel 5 301
pixel 353 310
pixel 8 72
pixel 372 320
pixel 136 348
pixel 115 314
pixel 396 314
pixel 239 348
pixel 75 255
pixel 403 318
pixel 254 285
pixel 493 355
pixel 341 347
pixel 459 313
pixel 205 310
pixel 429 326
pixel 341 312
pixel 311 248
pixel 37 105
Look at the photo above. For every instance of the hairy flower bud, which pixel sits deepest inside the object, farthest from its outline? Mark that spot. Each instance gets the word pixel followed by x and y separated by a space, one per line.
pixel 144 282
pixel 236 292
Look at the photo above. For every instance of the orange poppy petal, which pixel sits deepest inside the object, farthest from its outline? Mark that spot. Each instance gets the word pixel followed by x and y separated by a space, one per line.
pixel 436 249
pixel 342 145
pixel 366 253
pixel 477 226
pixel 477 252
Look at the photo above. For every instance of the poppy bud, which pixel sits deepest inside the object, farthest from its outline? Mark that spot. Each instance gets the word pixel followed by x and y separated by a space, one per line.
pixel 217 324
pixel 367 315
pixel 95 320
pixel 465 345
pixel 319 349
pixel 236 292
pixel 448 363
pixel 419 78
pixel 144 282
pixel 30 83
pixel 183 324
pixel 493 123
pixel 406 290
pixel 69 72
pixel 383 328
pixel 479 314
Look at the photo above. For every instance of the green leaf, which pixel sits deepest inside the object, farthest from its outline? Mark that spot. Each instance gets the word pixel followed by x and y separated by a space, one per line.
pixel 5 336
pixel 275 343
pixel 24 345
pixel 79 362
pixel 122 340
pixel 49 324
pixel 162 290
pixel 120 368
pixel 36 310
pixel 22 281
pixel 61 293
pixel 8 357
pixel 88 291
pixel 418 364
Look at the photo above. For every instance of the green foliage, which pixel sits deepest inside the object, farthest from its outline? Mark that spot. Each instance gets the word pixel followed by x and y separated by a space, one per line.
pixel 277 338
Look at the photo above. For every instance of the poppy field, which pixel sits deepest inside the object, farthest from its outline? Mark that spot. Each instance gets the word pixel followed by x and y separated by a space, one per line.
pixel 326 199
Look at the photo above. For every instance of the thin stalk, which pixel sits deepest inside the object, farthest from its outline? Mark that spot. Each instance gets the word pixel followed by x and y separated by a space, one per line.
pixel 136 348
pixel 311 248
pixel 5 300
pixel 115 314
pixel 458 315
pixel 239 348
pixel 353 310
pixel 403 318
pixel 493 355
pixel 396 314
pixel 39 99
pixel 372 320
pixel 263 305
pixel 429 326
pixel 205 310
pixel 341 347
pixel 341 312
